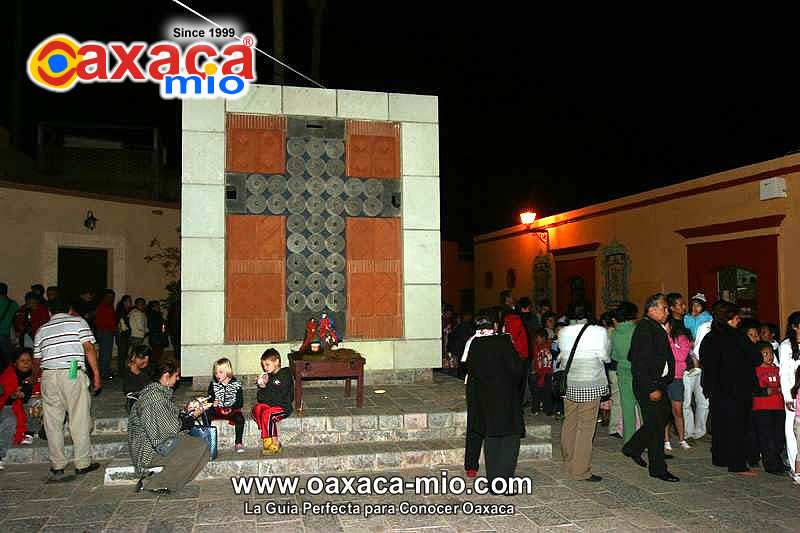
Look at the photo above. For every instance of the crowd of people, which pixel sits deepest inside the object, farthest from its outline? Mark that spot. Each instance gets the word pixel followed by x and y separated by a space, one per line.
pixel 55 353
pixel 675 370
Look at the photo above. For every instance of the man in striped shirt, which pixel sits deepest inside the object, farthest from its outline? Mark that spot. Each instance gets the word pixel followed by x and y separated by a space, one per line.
pixel 61 349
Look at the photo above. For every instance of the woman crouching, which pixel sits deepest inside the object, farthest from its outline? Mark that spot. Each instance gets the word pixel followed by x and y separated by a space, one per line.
pixel 155 438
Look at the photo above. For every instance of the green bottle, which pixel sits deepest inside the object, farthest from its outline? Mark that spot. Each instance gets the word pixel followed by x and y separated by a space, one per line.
pixel 73 369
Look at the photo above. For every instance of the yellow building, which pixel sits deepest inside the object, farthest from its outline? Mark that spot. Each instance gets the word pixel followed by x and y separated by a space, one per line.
pixel 730 235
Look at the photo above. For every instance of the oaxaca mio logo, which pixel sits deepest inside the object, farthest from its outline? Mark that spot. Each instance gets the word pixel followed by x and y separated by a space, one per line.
pixel 199 70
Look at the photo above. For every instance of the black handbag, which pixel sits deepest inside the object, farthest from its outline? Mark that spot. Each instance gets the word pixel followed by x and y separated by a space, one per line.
pixel 560 376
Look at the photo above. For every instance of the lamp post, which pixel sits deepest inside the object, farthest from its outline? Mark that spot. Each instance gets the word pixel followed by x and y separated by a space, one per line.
pixel 528 218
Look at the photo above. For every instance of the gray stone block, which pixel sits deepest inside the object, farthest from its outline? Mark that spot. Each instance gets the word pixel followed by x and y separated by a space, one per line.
pixel 362 422
pixel 440 420
pixel 340 423
pixel 415 421
pixel 317 128
pixel 314 423
pixel 390 421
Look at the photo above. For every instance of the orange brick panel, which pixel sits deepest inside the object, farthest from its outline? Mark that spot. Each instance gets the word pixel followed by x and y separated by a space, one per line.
pixel 255 143
pixel 374 278
pixel 373 149
pixel 255 278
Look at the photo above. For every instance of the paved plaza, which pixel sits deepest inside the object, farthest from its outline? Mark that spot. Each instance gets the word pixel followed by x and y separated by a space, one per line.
pixel 706 499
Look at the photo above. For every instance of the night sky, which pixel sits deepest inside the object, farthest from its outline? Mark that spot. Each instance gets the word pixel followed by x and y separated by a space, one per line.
pixel 547 111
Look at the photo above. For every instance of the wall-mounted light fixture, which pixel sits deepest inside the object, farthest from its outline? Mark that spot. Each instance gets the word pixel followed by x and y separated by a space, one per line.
pixel 90 222
pixel 528 218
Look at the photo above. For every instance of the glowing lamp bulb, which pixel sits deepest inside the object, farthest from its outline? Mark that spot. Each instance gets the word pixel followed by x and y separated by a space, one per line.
pixel 527 217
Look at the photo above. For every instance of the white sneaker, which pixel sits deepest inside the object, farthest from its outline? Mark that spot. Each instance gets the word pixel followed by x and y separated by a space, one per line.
pixel 685 445
pixel 27 439
pixel 795 477
pixel 667 446
pixel 2 466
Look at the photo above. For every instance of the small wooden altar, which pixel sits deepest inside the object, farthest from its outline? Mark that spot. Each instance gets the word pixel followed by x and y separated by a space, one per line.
pixel 341 363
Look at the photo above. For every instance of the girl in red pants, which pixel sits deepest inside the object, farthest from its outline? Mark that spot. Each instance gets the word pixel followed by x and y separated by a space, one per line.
pixel 275 394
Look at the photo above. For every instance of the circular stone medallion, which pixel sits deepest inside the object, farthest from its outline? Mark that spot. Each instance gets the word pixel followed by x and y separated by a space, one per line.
pixel 296 301
pixel 335 301
pixel 315 242
pixel 315 301
pixel 315 167
pixel 276 184
pixel 353 206
pixel 256 203
pixel 315 205
pixel 334 244
pixel 315 224
pixel 373 207
pixel 276 204
pixel 295 223
pixel 373 188
pixel 315 262
pixel 315 186
pixel 296 146
pixel 315 282
pixel 334 149
pixel 296 243
pixel 334 168
pixel 296 185
pixel 296 263
pixel 296 166
pixel 296 204
pixel 295 282
pixel 334 224
pixel 354 187
pixel 334 186
pixel 256 183
pixel 315 148
pixel 334 205
pixel 334 281
pixel 335 262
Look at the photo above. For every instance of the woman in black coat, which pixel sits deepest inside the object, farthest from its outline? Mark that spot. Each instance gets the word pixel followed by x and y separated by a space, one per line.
pixel 494 402
pixel 729 361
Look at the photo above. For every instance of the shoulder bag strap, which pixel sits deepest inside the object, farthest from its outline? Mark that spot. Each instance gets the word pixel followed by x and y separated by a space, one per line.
pixel 574 347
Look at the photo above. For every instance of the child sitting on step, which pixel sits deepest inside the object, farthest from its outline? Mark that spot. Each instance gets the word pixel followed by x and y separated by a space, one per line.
pixel 227 397
pixel 275 395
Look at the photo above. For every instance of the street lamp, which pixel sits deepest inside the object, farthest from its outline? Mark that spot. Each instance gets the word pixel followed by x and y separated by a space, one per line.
pixel 528 218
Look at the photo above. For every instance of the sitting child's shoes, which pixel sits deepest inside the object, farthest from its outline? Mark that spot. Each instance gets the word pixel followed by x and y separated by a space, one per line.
pixel 275 448
pixel 27 439
pixel 239 448
pixel 267 444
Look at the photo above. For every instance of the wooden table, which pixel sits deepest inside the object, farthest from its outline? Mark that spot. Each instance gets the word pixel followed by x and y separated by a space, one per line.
pixel 342 364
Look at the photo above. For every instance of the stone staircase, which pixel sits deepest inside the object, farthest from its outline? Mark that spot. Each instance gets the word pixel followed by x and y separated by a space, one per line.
pixel 368 439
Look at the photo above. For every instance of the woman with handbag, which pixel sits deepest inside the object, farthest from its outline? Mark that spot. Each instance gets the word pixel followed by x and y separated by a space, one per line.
pixel 582 383
pixel 155 436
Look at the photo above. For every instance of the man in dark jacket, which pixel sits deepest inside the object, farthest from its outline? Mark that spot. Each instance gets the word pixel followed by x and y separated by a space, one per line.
pixel 652 366
pixel 494 404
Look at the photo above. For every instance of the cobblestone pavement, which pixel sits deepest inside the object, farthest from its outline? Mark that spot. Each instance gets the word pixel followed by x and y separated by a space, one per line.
pixel 706 499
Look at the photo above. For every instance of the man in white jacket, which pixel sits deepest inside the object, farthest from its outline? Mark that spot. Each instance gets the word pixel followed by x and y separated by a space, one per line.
pixel 138 321
pixel 695 421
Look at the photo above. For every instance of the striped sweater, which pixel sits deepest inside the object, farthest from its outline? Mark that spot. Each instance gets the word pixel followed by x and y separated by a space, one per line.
pixel 230 395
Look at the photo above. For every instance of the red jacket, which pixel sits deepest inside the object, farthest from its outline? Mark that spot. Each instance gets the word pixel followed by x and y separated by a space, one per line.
pixel 9 382
pixel 39 318
pixel 105 318
pixel 768 377
pixel 515 328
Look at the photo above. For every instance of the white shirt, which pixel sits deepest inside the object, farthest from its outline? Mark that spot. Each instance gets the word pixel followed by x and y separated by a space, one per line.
pixel 60 341
pixel 138 322
pixel 593 350
pixel 702 331
pixel 788 368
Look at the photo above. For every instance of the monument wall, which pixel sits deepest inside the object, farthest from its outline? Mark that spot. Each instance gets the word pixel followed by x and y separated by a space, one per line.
pixel 299 201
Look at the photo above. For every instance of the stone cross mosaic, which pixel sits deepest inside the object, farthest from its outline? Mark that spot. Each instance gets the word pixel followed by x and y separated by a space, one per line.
pixel 316 193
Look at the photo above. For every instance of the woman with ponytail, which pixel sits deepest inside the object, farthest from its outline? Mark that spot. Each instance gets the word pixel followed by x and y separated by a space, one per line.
pixel 789 362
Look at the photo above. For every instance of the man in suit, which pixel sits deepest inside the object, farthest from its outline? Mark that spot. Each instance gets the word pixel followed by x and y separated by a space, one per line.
pixel 652 366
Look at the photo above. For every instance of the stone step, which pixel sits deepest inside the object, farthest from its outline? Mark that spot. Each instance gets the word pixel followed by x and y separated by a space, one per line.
pixel 104 447
pixel 326 458
pixel 369 425
pixel 106 444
